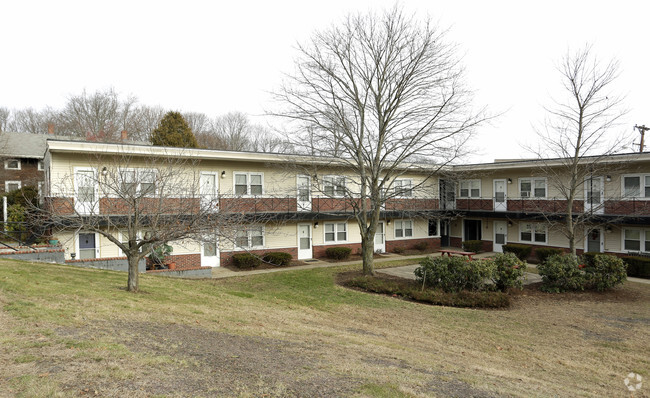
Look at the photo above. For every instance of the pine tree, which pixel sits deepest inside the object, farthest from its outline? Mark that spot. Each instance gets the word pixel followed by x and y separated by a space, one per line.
pixel 173 130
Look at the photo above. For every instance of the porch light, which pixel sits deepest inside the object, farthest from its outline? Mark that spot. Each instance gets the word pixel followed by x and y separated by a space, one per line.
pixel 223 174
pixel 388 222
pixel 509 223
pixel 608 178
pixel 608 230
pixel 104 171
pixel 509 180
pixel 316 225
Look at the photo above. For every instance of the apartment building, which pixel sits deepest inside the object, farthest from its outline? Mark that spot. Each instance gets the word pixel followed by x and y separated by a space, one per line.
pixel 305 204
pixel 22 160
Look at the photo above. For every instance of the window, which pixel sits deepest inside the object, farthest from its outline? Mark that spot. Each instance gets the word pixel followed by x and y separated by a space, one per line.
pixel 532 187
pixel 248 183
pixel 41 166
pixel 532 232
pixel 403 228
pixel 470 189
pixel 637 240
pixel 433 227
pixel 334 186
pixel 336 232
pixel 12 164
pixel 137 182
pixel 636 186
pixel 12 185
pixel 251 237
pixel 403 188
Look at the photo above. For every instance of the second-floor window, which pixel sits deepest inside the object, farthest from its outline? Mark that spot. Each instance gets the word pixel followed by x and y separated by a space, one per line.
pixel 637 186
pixel 336 232
pixel 334 186
pixel 12 185
pixel 251 237
pixel 403 228
pixel 470 189
pixel 248 183
pixel 403 188
pixel 137 182
pixel 532 232
pixel 532 187
pixel 12 164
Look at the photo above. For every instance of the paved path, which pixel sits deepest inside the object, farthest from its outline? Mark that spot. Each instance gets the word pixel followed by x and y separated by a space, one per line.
pixel 407 272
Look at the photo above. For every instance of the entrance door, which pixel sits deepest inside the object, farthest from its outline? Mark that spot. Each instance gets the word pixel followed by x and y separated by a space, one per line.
pixel 209 189
pixel 500 197
pixel 86 191
pixel 380 238
pixel 210 253
pixel 472 230
pixel 594 195
pixel 88 247
pixel 500 235
pixel 304 193
pixel 445 240
pixel 304 242
pixel 447 195
pixel 594 241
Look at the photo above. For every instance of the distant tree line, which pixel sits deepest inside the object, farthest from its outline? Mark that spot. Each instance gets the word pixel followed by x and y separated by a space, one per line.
pixel 103 115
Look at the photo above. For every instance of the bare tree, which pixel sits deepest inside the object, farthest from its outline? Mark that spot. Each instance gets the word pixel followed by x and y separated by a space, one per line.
pixel 373 94
pixel 577 139
pixel 233 129
pixel 146 119
pixel 30 121
pixel 5 118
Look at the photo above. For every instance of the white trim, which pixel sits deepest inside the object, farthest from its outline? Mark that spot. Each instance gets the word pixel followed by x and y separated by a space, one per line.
pixel 12 168
pixel 248 231
pixel 304 255
pixel 336 233
pixel 642 240
pixel 410 189
pixel 95 204
pixel 532 233
pixel 216 189
pixel 41 165
pixel 211 261
pixel 500 206
pixel 139 172
pixel 248 183
pixel 469 189
pixel 76 246
pixel 20 185
pixel 404 237
pixel 334 178
pixel 532 187
pixel 598 208
pixel 642 186
pixel 494 235
pixel 303 205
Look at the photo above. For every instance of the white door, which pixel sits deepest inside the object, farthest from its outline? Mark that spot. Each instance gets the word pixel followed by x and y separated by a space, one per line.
pixel 304 193
pixel 500 235
pixel 86 192
pixel 594 195
pixel 304 242
pixel 594 241
pixel 380 238
pixel 87 246
pixel 209 191
pixel 210 252
pixel 500 196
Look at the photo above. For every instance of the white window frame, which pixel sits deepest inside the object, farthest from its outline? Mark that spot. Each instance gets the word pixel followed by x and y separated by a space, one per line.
pixel 469 189
pixel 336 232
pixel 41 165
pixel 642 186
pixel 248 175
pixel 249 235
pixel 532 187
pixel 139 172
pixel 19 183
pixel 97 245
pixel 78 208
pixel 401 222
pixel 13 168
pixel 643 238
pixel 534 226
pixel 400 190
pixel 334 181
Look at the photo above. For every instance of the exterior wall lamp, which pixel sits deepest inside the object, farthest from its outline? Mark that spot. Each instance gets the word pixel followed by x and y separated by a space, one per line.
pixel 104 171
pixel 509 180
pixel 608 178
pixel 223 174
pixel 316 225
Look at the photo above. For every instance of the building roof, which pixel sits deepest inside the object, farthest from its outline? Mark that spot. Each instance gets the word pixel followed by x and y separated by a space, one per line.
pixel 22 145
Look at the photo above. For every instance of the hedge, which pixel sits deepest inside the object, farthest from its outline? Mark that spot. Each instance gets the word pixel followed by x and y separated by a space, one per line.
pixel 521 251
pixel 278 258
pixel 338 253
pixel 542 253
pixel 637 266
pixel 246 260
pixel 473 246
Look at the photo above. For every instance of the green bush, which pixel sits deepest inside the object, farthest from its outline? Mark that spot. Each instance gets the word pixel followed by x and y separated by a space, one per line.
pixel 421 246
pixel 542 253
pixel 398 250
pixel 25 196
pixel 587 258
pixel 507 271
pixel 638 266
pixel 278 258
pixel 521 251
pixel 453 274
pixel 473 246
pixel 246 260
pixel 605 272
pixel 338 253
pixel 561 273
pixel 16 217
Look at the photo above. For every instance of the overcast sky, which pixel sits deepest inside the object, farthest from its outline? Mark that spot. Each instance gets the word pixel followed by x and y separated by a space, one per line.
pixel 209 57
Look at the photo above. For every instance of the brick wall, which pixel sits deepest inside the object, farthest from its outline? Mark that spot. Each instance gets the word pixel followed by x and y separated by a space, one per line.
pixel 28 175
pixel 226 257
pixel 184 261
pixel 432 244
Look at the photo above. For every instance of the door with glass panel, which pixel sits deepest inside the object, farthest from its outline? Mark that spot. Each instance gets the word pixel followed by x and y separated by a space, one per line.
pixel 500 235
pixel 304 242
pixel 88 247
pixel 594 241
pixel 209 190
pixel 304 193
pixel 380 238
pixel 210 252
pixel 594 195
pixel 500 196
pixel 85 191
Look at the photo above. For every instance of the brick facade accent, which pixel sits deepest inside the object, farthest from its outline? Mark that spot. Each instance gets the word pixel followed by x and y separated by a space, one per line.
pixel 226 257
pixel 411 204
pixel 542 205
pixel 60 206
pixel 185 261
pixel 474 204
pixel 432 244
pixel 28 175
pixel 252 205
pixel 631 206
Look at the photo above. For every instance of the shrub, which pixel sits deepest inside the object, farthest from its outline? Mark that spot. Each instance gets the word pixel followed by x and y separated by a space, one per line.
pixel 521 251
pixel 473 246
pixel 25 196
pixel 246 260
pixel 507 271
pixel 587 258
pixel 638 266
pixel 421 246
pixel 561 273
pixel 542 253
pixel 338 253
pixel 605 272
pixel 278 258
pixel 398 250
pixel 453 274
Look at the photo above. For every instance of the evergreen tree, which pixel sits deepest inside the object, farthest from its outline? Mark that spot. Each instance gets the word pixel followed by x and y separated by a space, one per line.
pixel 173 130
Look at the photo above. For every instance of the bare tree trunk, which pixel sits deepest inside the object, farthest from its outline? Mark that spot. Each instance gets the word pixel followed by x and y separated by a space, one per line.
pixel 367 252
pixel 133 274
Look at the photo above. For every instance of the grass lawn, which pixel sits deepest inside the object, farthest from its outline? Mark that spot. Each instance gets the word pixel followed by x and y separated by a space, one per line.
pixel 68 331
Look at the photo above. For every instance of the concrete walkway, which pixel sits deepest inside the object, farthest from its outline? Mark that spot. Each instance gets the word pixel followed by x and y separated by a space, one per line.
pixel 407 273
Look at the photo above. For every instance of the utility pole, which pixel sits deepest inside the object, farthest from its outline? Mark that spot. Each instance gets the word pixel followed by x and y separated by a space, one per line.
pixel 642 130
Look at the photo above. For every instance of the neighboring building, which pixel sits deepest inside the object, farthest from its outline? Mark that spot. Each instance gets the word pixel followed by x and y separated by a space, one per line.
pixel 498 203
pixel 21 155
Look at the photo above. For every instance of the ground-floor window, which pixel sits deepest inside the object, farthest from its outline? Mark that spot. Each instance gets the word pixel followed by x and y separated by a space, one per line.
pixel 403 228
pixel 250 237
pixel 636 240
pixel 472 230
pixel 336 232
pixel 532 232
pixel 433 227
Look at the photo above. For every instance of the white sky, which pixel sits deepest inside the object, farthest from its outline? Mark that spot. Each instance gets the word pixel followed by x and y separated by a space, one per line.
pixel 215 57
